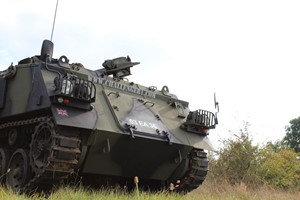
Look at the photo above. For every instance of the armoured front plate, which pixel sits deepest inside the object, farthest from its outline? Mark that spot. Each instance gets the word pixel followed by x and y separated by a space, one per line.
pixel 139 115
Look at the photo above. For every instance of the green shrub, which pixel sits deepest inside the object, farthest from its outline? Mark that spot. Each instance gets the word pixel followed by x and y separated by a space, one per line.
pixel 236 161
pixel 280 168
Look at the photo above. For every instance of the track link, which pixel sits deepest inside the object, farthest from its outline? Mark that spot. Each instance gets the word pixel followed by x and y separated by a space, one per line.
pixel 196 174
pixel 62 153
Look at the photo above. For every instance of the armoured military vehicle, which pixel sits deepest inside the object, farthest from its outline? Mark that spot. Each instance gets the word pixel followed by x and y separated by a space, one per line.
pixel 60 119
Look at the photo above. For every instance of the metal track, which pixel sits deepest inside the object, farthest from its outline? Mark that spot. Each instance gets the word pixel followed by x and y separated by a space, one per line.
pixel 197 173
pixel 23 122
pixel 61 162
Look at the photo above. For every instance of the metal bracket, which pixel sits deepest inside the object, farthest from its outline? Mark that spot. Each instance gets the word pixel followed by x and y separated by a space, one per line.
pixel 10 72
pixel 180 109
pixel 116 93
pixel 63 61
pixel 178 158
pixel 106 148
pixel 165 90
pixel 168 136
pixel 149 102
pixel 130 128
pixel 39 100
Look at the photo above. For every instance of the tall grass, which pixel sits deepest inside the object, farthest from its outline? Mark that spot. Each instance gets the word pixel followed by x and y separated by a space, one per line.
pixel 210 190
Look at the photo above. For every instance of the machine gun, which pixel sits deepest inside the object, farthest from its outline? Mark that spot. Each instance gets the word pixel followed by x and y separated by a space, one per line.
pixel 119 67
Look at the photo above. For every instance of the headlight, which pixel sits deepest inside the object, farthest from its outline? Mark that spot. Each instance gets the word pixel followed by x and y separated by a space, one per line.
pixel 66 87
pixel 82 91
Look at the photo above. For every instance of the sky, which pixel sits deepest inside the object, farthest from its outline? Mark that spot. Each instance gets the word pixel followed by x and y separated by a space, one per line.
pixel 247 52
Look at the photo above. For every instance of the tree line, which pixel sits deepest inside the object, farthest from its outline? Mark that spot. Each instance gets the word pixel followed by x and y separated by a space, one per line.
pixel 275 164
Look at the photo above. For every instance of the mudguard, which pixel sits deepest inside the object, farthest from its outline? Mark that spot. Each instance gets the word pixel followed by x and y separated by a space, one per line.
pixel 68 116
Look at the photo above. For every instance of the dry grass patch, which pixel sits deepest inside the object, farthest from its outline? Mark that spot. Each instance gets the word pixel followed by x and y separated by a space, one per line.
pixel 212 190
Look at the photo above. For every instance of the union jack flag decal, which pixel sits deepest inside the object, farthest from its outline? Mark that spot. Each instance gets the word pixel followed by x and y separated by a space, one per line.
pixel 62 112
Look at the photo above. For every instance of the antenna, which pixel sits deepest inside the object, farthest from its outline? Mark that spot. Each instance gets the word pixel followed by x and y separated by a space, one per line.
pixel 216 102
pixel 216 107
pixel 54 20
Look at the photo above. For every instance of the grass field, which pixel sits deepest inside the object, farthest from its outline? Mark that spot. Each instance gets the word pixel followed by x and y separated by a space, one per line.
pixel 208 191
